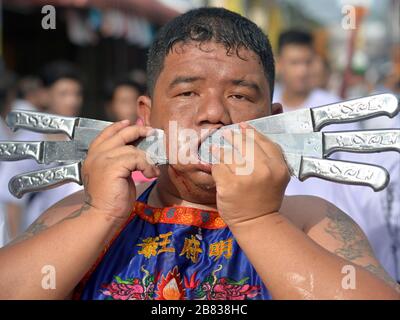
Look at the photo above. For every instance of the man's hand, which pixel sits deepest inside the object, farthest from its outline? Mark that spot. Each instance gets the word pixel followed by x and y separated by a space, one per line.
pixel 107 169
pixel 259 192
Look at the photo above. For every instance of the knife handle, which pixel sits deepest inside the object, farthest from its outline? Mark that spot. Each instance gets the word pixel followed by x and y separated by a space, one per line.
pixel 357 109
pixel 41 122
pixel 44 179
pixel 21 150
pixel 375 177
pixel 362 141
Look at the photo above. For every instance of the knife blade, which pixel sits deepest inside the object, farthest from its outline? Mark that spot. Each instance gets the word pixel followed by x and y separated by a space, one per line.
pixel 314 144
pixel 44 152
pixel 76 150
pixel 319 144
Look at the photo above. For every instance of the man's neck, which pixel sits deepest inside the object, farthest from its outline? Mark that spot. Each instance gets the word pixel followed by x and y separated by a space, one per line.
pixel 162 196
pixel 292 99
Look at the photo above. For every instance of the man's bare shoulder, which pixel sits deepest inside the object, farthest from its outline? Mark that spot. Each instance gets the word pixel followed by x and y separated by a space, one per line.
pixel 335 231
pixel 304 211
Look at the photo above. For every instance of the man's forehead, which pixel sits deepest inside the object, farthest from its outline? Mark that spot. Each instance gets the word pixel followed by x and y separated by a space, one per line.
pixel 186 52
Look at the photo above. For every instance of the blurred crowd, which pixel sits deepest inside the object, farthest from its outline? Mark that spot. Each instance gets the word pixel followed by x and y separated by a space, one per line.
pixel 305 79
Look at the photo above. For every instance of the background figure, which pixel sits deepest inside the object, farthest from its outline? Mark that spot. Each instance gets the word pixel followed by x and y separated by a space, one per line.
pixel 62 95
pixel 121 99
pixel 296 87
pixel 121 104
pixel 64 88
pixel 302 76
pixel 320 73
pixel 296 90
pixel 31 95
pixel 7 95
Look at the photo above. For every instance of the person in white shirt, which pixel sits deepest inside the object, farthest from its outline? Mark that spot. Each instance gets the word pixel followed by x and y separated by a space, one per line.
pixel 63 96
pixel 378 213
pixel 7 93
pixel 295 91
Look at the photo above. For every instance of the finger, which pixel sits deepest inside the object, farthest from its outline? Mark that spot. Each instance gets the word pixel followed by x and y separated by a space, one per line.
pixel 224 157
pixel 108 132
pixel 219 170
pixel 123 137
pixel 140 156
pixel 126 163
pixel 129 149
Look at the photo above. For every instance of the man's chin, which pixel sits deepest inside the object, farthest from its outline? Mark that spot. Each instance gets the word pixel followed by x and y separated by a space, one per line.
pixel 203 180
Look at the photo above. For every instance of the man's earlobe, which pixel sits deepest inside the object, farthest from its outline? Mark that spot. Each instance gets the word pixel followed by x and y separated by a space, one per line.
pixel 144 109
pixel 276 108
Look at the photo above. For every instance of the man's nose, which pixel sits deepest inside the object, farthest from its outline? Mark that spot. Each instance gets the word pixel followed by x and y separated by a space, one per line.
pixel 213 112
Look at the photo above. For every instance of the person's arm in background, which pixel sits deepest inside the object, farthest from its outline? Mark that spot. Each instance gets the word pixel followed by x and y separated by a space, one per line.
pixel 13 208
pixel 71 235
pixel 13 219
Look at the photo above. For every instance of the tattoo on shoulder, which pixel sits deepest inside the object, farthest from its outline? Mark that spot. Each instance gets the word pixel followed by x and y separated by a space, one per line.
pixel 344 230
pixel 381 273
pixel 354 244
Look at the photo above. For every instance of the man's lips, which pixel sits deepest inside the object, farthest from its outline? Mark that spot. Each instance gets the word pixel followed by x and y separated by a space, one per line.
pixel 187 150
pixel 204 166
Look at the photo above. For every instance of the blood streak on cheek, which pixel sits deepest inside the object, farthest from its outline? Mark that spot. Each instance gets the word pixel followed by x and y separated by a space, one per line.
pixel 181 178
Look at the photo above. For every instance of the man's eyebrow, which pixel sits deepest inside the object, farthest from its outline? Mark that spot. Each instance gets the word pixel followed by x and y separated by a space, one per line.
pixel 183 79
pixel 246 83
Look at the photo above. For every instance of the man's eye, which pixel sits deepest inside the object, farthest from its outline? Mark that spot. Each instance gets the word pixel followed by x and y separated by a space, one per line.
pixel 238 97
pixel 187 94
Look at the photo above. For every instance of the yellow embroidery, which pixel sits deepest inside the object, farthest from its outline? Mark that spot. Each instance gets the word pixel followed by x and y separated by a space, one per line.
pixel 191 249
pixel 165 242
pixel 152 246
pixel 223 247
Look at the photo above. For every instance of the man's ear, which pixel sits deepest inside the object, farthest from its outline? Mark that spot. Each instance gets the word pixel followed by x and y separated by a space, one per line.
pixel 276 108
pixel 144 109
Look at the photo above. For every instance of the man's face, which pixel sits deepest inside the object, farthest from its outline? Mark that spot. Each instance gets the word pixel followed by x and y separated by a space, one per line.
pixel 65 97
pixel 294 67
pixel 206 89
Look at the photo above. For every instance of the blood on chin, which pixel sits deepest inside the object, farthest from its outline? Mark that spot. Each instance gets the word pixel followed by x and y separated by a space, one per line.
pixel 196 176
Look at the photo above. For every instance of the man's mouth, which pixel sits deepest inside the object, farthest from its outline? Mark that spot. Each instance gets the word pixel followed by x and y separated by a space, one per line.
pixel 204 166
pixel 186 148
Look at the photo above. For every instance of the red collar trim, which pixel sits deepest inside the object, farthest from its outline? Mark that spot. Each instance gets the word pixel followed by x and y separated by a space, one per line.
pixel 207 219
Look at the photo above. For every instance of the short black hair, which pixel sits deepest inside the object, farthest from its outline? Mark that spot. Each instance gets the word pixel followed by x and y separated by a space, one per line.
pixel 297 37
pixel 210 24
pixel 8 82
pixel 58 70
pixel 27 85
